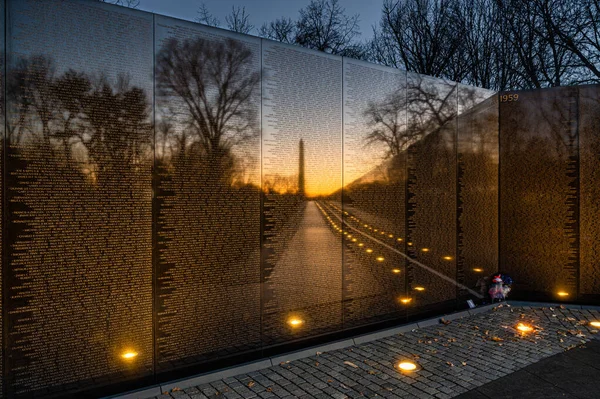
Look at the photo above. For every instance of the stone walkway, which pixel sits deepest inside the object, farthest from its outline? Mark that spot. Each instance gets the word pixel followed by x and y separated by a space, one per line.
pixel 455 358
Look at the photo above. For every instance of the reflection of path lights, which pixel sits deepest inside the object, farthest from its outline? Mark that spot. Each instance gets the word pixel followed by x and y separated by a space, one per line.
pixel 524 328
pixel 129 355
pixel 412 260
pixel 562 294
pixel 295 322
pixel 419 288
pixel 396 271
pixel 595 324
pixel 380 258
pixel 406 366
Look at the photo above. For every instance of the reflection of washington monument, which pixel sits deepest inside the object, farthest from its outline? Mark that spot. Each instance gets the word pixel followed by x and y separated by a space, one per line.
pixel 301 191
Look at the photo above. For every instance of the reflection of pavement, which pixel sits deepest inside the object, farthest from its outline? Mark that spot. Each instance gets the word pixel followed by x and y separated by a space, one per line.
pixel 309 272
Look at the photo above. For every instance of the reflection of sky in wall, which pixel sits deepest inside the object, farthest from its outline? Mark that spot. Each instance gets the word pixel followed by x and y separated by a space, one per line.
pixel 93 37
pixel 302 100
pixel 366 84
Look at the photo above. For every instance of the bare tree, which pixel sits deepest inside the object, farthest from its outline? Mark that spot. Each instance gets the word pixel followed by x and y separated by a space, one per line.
pixel 420 36
pixel 324 26
pixel 215 82
pixel 542 60
pixel 282 30
pixel 238 20
pixel 205 17
pixel 575 25
pixel 124 3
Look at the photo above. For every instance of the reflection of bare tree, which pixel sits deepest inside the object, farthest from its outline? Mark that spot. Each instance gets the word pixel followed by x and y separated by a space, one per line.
pixel 429 104
pixel 215 81
pixel 387 123
pixel 105 125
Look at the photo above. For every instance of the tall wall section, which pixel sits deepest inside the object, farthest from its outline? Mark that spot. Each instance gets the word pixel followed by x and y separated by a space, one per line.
pixel 178 197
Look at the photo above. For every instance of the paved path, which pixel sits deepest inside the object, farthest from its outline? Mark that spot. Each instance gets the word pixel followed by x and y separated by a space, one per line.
pixel 455 358
pixel 574 374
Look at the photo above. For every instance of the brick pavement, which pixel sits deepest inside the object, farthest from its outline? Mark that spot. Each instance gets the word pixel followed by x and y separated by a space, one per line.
pixel 455 358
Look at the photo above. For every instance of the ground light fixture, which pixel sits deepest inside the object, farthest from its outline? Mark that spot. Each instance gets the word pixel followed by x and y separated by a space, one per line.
pixel 562 294
pixel 478 270
pixel 380 258
pixel 396 271
pixel 524 328
pixel 407 366
pixel 419 288
pixel 595 324
pixel 405 301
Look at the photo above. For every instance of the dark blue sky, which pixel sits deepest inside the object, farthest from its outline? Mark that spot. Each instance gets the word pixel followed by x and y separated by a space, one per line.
pixel 263 10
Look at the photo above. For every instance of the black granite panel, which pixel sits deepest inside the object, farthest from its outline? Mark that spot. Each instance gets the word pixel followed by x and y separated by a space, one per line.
pixel 301 181
pixel 539 187
pixel 79 198
pixel 207 206
pixel 376 139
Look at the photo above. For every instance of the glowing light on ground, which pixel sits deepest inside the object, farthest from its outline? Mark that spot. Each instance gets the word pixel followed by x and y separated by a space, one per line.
pixel 477 270
pixel 399 239
pixel 369 250
pixel 562 293
pixel 407 366
pixel 405 301
pixel 425 249
pixel 419 288
pixel 396 271
pixel 524 328
pixel 595 324
pixel 448 258
pixel 380 258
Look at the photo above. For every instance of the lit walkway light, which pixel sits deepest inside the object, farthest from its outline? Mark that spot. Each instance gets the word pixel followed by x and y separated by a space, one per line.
pixel 419 288
pixel 406 366
pixel 562 293
pixel 396 271
pixel 380 258
pixel 477 270
pixel 524 328
pixel 405 301
pixel 369 250
pixel 595 324
pixel 425 249
pixel 448 258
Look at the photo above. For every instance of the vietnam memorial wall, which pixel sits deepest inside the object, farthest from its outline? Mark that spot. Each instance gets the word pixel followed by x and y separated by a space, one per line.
pixel 174 194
